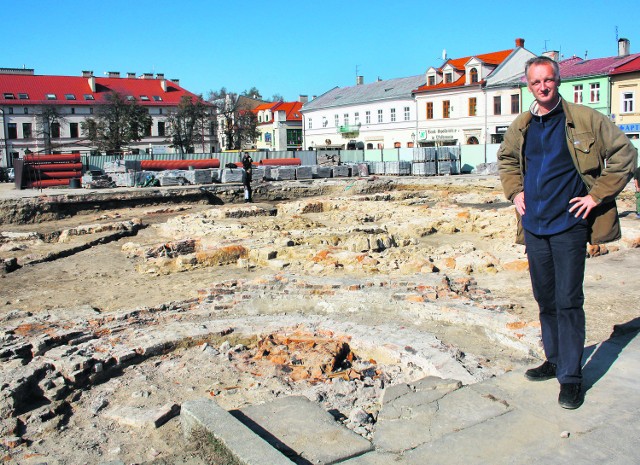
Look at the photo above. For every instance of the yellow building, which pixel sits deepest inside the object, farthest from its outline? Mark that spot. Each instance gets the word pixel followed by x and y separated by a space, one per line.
pixel 625 97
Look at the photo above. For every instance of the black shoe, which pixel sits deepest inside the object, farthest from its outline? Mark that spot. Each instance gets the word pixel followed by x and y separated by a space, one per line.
pixel 545 371
pixel 570 395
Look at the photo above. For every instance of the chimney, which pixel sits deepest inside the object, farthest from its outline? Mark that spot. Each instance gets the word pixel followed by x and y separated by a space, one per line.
pixel 163 85
pixel 303 98
pixel 131 75
pixel 313 97
pixel 379 79
pixel 175 81
pixel 87 74
pixel 114 74
pixel 359 80
pixel 624 47
pixel 92 83
pixel 147 75
pixel 553 54
pixel 519 42
pixel 159 75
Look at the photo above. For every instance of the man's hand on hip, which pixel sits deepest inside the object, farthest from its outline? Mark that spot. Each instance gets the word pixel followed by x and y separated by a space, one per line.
pixel 582 206
pixel 518 201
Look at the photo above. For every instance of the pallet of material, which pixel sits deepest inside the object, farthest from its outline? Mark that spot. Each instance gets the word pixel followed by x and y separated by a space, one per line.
pixel 341 171
pixel 231 175
pixel 121 166
pixel 398 168
pixel 282 173
pixel 321 171
pixel 304 172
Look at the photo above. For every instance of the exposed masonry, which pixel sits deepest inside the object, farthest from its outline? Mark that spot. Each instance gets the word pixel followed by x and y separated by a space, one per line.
pixel 47 359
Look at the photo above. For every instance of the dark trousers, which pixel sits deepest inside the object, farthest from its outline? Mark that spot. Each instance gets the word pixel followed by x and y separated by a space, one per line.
pixel 556 266
pixel 246 182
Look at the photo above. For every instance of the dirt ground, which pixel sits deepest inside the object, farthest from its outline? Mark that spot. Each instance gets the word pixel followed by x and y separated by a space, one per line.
pixel 109 280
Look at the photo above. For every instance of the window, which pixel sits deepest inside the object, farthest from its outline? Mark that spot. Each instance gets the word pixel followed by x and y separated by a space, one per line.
pixel 432 80
pixel 325 122
pixel 407 113
pixel 356 118
pixel 448 78
pixel 336 119
pixel 23 96
pixel 595 93
pixel 157 98
pixel 89 97
pixel 379 116
pixel 147 130
pixel 577 93
pixel 69 97
pixel 55 130
pixel 367 117
pixel 473 104
pixel 310 123
pixel 12 131
pixel 161 128
pixel 11 110
pixel 26 111
pixel 515 104
pixel 429 110
pixel 627 102
pixel 9 96
pixel 473 74
pixel 73 130
pixel 51 96
pixel 266 117
pixel 73 111
pixel 144 98
pixel 130 98
pixel 497 105
pixel 26 131
pixel 259 118
pixel 346 119
pixel 446 108
pixel 393 115
pixel 397 145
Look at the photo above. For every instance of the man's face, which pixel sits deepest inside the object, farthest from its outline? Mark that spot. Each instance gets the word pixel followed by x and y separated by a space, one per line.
pixel 543 85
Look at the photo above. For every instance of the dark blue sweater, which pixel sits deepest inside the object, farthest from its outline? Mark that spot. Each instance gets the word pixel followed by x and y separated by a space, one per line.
pixel 550 178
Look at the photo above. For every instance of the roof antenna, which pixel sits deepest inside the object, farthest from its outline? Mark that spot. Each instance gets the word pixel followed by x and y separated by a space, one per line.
pixel 444 54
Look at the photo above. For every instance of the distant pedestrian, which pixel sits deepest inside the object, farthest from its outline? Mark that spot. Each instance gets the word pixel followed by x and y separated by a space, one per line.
pixel 562 165
pixel 247 166
pixel 636 181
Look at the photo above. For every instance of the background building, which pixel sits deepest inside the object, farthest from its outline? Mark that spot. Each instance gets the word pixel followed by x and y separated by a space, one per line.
pixel 25 96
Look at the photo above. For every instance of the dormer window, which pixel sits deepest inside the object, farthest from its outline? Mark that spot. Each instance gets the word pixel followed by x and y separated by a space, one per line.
pixel 9 96
pixel 51 96
pixel 23 96
pixel 448 77
pixel 130 98
pixel 473 74
pixel 69 96
pixel 88 97
pixel 432 80
pixel 157 98
pixel 144 98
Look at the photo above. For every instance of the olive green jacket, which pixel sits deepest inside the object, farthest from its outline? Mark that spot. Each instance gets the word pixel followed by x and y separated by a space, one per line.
pixel 602 154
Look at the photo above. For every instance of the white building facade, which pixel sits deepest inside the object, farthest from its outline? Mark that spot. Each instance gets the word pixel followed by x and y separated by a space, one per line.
pixel 379 115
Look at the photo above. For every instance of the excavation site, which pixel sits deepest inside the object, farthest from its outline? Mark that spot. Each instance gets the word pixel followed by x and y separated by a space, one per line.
pixel 119 305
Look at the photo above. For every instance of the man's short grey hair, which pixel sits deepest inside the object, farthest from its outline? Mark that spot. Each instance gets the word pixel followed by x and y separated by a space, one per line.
pixel 543 60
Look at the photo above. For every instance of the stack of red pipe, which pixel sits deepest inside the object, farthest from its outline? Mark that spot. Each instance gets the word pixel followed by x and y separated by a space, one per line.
pixel 52 170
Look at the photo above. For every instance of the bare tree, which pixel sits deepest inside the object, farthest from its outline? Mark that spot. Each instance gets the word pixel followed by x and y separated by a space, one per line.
pixel 187 124
pixel 118 123
pixel 48 123
pixel 235 121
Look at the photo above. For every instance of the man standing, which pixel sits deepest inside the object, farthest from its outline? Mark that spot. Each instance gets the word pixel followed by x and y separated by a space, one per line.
pixel 562 165
pixel 246 179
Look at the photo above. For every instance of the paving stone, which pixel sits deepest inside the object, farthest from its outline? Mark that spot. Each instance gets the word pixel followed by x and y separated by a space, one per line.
pixel 297 425
pixel 236 437
pixel 144 417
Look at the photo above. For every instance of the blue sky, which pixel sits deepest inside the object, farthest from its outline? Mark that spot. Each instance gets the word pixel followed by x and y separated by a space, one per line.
pixel 295 47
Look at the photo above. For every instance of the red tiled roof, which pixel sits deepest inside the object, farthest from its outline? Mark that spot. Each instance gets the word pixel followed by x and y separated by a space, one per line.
pixel 493 58
pixel 576 67
pixel 630 66
pixel 38 86
pixel 292 109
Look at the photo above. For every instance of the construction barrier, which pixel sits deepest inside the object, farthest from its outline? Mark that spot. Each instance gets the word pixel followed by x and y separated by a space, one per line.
pixel 160 165
pixel 281 162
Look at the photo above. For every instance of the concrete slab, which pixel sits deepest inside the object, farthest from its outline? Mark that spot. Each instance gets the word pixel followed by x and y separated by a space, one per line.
pixel 239 440
pixel 297 425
